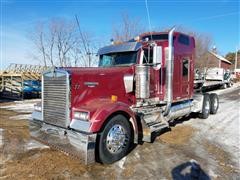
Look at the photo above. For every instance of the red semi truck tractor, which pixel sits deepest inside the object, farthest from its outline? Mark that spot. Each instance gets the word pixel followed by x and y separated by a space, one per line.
pixel 139 87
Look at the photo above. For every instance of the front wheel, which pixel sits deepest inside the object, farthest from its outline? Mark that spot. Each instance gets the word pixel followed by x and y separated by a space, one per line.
pixel 115 139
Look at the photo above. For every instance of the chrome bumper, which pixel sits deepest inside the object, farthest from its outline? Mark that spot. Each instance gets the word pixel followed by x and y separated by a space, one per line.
pixel 79 145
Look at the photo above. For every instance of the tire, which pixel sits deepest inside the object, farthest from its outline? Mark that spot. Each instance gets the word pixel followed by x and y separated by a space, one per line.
pixel 224 86
pixel 229 84
pixel 205 107
pixel 109 152
pixel 214 103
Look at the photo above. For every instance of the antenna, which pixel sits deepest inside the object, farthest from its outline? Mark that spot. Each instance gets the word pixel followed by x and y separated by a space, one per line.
pixel 149 22
pixel 84 42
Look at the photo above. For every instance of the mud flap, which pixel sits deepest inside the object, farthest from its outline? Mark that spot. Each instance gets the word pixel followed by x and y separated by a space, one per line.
pixel 76 144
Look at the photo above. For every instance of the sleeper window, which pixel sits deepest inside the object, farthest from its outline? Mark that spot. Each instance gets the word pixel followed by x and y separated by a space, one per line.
pixel 185 67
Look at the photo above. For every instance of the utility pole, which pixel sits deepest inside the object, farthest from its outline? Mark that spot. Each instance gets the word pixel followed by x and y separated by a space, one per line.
pixel 214 50
pixel 236 59
pixel 89 59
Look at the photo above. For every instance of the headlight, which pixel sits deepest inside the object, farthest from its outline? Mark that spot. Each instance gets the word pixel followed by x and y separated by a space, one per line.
pixel 38 107
pixel 81 115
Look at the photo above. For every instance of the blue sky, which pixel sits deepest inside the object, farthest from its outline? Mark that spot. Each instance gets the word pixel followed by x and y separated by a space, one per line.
pixel 219 19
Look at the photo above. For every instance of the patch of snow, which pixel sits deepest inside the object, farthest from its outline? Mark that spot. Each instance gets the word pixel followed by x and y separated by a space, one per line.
pixel 21 117
pixel 1 137
pixel 223 128
pixel 212 174
pixel 21 106
pixel 186 171
pixel 32 144
pixel 28 101
pixel 121 163
pixel 228 90
pixel 137 155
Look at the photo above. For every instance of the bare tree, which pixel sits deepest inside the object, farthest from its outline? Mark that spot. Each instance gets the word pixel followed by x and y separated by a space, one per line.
pixel 58 43
pixel 51 41
pixel 66 39
pixel 203 43
pixel 127 29
pixel 84 54
pixel 38 40
pixel 86 48
pixel 231 56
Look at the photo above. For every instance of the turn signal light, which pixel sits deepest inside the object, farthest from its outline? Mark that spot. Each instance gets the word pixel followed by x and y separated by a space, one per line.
pixel 114 98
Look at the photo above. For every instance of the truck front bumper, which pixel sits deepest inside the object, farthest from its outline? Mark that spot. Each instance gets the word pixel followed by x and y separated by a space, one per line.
pixel 78 144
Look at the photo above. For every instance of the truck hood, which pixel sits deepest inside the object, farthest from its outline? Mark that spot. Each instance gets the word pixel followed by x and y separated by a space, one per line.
pixel 89 84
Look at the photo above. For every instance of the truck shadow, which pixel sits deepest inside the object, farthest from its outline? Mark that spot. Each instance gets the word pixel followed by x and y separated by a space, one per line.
pixel 188 171
pixel 183 119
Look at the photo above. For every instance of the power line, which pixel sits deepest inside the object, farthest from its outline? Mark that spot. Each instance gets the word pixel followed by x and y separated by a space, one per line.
pixel 84 42
pixel 216 16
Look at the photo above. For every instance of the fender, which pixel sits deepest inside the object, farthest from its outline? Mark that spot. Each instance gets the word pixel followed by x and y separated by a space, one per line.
pixel 101 109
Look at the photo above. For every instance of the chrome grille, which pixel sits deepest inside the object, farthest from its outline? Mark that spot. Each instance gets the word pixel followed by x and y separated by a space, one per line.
pixel 56 98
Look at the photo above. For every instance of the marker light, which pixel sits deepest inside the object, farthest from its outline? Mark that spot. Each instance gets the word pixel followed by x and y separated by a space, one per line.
pixel 114 98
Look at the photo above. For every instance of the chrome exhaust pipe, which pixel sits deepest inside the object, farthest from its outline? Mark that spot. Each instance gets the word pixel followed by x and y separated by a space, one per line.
pixel 169 72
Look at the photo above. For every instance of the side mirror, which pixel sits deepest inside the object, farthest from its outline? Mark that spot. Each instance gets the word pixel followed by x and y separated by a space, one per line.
pixel 157 57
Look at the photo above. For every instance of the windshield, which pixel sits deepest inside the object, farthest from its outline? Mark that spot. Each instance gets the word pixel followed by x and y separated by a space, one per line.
pixel 118 59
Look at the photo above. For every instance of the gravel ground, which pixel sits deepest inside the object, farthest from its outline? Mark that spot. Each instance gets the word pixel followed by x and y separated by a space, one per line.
pixel 194 148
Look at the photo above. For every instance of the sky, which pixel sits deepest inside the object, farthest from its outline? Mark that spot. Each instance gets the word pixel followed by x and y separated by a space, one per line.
pixel 220 19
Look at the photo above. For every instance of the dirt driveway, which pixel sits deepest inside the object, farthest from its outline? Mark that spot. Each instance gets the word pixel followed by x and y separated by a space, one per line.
pixel 209 149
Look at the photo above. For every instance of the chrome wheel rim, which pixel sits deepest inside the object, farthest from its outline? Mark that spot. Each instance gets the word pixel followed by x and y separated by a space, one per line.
pixel 116 139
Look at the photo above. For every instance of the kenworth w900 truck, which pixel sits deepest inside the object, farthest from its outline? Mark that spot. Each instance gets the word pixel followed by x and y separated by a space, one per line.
pixel 139 87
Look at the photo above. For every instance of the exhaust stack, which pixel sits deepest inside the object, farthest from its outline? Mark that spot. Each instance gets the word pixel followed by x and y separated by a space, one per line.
pixel 169 72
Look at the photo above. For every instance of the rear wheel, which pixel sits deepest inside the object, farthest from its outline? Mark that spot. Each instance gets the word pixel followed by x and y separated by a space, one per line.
pixel 229 84
pixel 214 103
pixel 115 140
pixel 224 86
pixel 205 107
